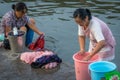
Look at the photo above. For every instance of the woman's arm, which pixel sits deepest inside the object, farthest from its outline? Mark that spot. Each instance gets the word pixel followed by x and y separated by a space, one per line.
pixel 82 44
pixel 7 29
pixel 34 28
pixel 97 33
pixel 98 47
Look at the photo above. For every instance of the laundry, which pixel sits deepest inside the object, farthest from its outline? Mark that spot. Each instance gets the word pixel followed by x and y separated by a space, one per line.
pixel 41 59
pixel 38 44
pixel 29 57
pixel 50 65
pixel 45 60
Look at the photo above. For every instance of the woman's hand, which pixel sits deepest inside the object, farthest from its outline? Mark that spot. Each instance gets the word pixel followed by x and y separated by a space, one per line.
pixel 40 33
pixel 88 57
pixel 82 51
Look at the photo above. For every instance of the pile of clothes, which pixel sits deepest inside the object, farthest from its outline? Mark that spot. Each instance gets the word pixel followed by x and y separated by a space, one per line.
pixel 41 59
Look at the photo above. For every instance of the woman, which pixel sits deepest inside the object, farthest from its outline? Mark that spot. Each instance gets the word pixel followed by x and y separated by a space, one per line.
pixel 18 18
pixel 102 41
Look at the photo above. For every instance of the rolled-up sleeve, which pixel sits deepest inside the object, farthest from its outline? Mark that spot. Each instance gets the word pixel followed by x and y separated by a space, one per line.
pixel 80 31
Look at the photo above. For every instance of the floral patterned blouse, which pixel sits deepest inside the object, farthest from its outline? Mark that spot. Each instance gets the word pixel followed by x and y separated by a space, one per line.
pixel 10 20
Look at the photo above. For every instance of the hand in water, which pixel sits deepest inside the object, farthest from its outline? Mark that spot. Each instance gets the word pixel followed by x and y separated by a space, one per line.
pixel 81 52
pixel 42 33
pixel 87 58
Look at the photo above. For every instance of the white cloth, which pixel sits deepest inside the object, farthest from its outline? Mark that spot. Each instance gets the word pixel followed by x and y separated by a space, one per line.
pixel 97 31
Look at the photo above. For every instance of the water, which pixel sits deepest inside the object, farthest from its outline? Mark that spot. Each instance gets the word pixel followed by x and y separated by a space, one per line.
pixel 102 67
pixel 54 18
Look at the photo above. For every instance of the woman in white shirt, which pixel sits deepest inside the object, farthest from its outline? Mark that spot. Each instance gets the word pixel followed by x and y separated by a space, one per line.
pixel 102 41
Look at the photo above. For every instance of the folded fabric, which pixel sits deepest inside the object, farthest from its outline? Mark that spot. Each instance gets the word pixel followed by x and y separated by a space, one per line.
pixel 45 60
pixel 50 65
pixel 29 57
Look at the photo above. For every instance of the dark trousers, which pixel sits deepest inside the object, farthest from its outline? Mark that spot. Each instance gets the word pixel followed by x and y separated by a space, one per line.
pixel 29 36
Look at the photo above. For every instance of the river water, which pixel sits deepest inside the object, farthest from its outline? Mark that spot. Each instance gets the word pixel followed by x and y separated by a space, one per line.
pixel 54 18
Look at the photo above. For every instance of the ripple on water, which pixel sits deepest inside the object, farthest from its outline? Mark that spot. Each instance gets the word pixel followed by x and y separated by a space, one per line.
pixel 50 43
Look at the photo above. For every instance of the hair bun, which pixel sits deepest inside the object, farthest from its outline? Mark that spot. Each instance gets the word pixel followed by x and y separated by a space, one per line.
pixel 13 6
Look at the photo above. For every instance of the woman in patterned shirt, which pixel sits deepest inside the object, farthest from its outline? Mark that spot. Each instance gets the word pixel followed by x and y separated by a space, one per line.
pixel 18 18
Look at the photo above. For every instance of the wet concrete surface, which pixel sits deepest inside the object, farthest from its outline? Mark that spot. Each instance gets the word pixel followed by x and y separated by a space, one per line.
pixel 12 68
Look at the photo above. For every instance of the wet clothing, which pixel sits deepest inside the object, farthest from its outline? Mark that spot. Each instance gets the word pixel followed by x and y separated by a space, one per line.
pixel 38 44
pixel 97 31
pixel 42 61
pixel 29 57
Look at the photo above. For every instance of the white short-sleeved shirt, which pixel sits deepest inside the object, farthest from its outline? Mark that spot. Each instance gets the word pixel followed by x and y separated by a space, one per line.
pixel 95 34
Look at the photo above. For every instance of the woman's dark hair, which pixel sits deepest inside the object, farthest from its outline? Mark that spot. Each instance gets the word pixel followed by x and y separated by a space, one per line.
pixel 20 6
pixel 82 13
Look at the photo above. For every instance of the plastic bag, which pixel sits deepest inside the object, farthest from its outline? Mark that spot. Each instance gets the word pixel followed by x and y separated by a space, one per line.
pixel 38 44
pixel 114 75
